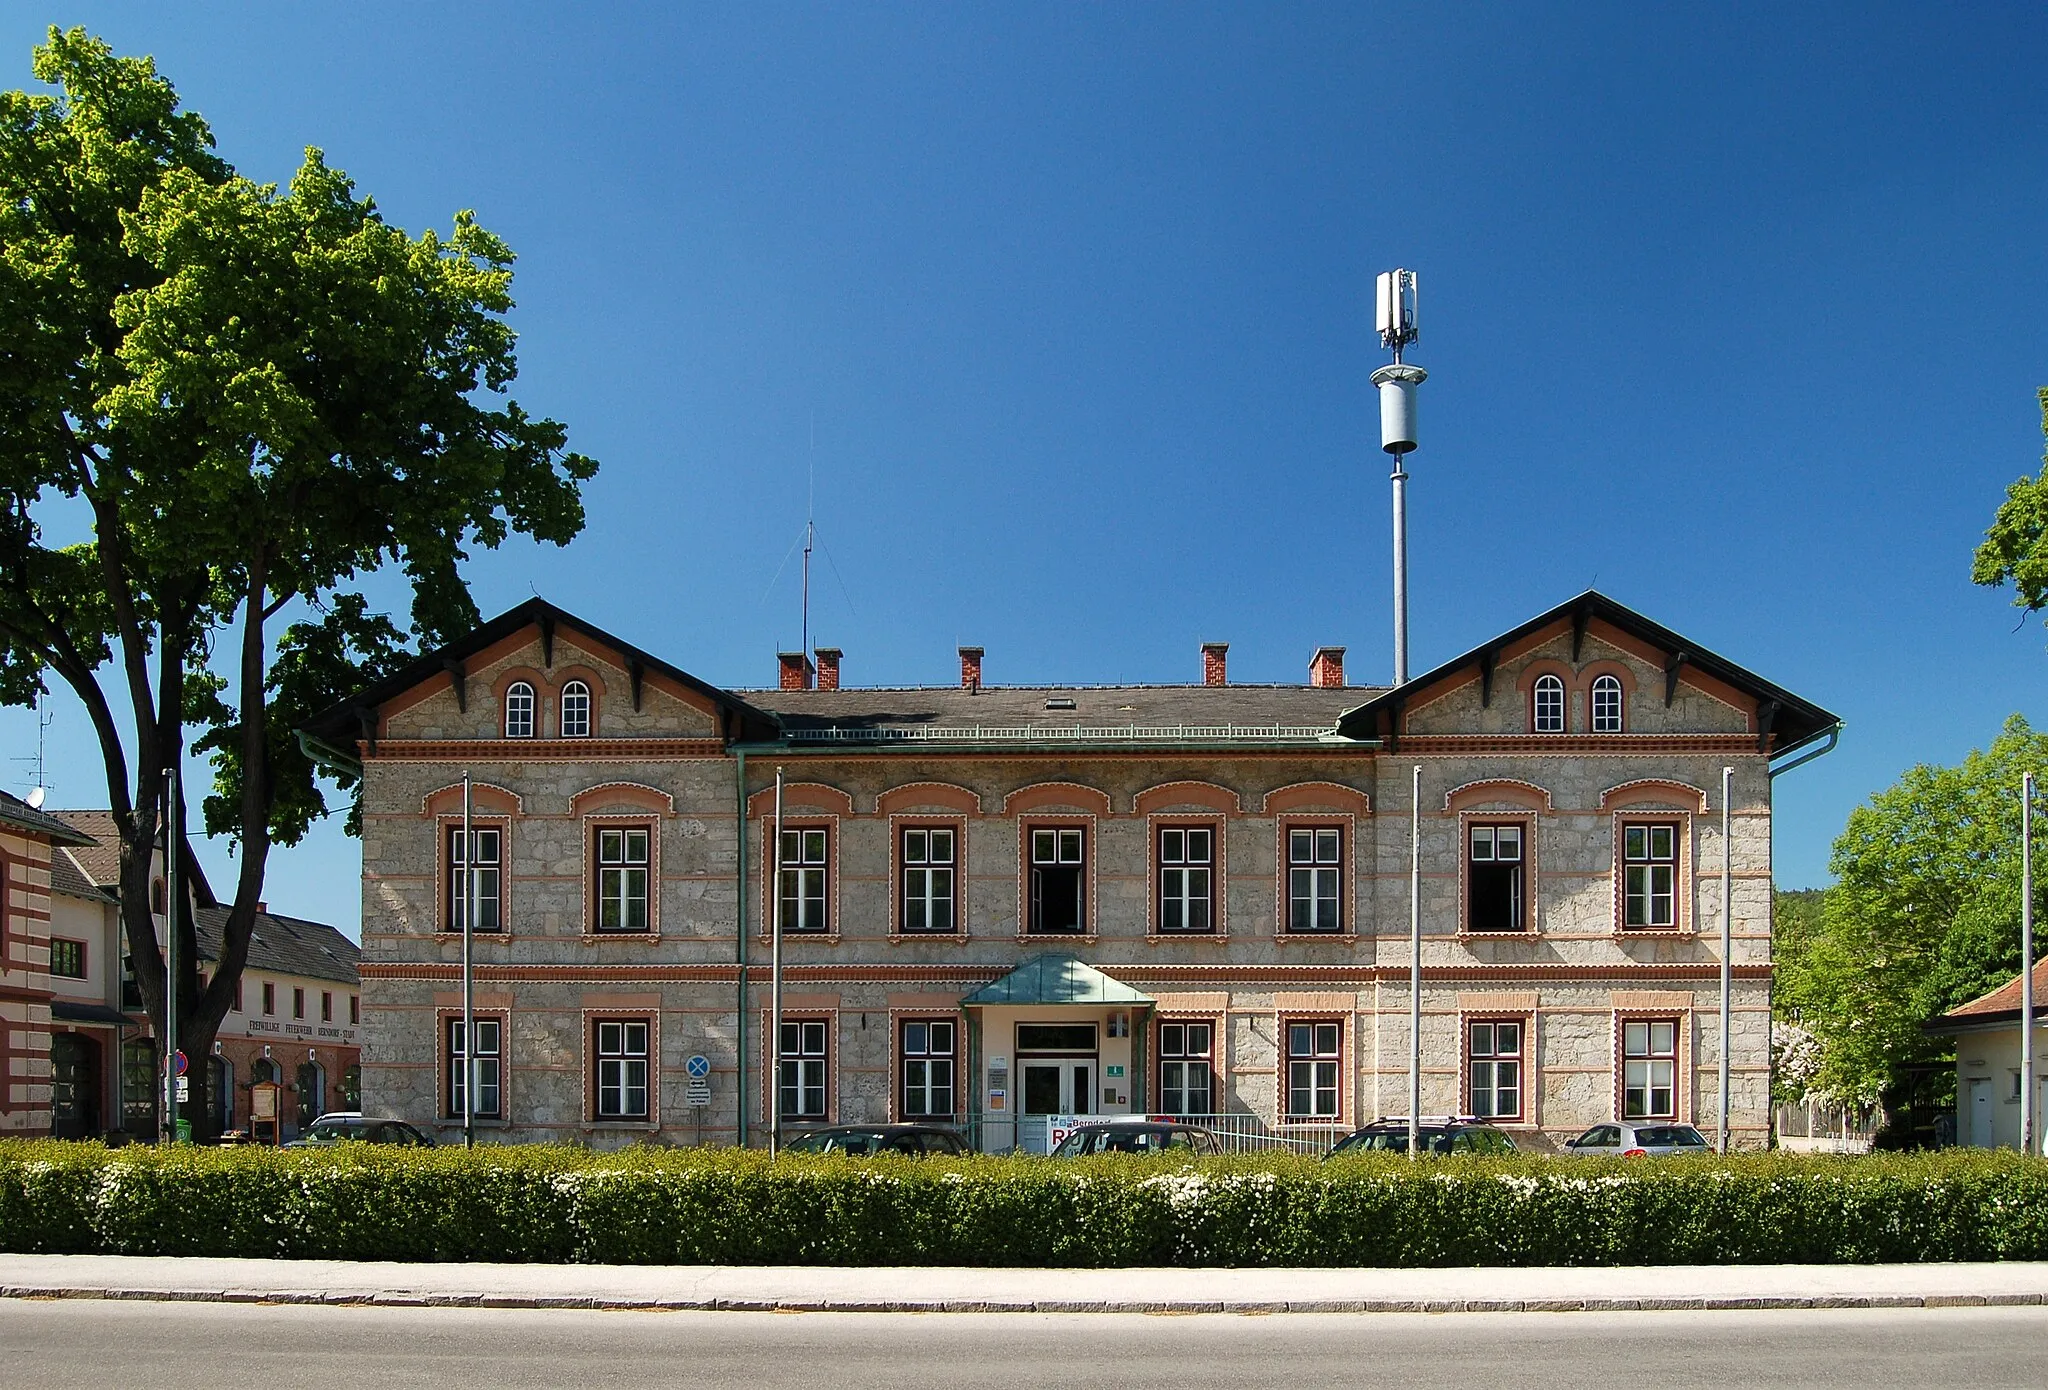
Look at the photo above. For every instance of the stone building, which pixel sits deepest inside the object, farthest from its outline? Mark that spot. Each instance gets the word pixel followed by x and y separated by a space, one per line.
pixel 1002 903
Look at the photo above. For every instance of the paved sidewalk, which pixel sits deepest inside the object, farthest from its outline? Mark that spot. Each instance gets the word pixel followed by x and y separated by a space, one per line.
pixel 783 1288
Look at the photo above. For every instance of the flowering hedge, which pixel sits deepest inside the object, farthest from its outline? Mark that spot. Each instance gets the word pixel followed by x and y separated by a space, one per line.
pixel 655 1206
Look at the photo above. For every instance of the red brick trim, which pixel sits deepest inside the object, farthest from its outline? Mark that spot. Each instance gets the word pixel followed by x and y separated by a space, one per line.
pixel 800 796
pixel 1511 790
pixel 1207 795
pixel 485 799
pixel 921 796
pixel 1058 796
pixel 1317 796
pixel 635 794
pixel 1654 791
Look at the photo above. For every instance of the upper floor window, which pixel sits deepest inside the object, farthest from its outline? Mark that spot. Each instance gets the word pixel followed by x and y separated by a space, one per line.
pixel 1495 878
pixel 622 869
pixel 1186 1071
pixel 1649 875
pixel 355 1005
pixel 1606 705
pixel 519 710
pixel 327 1006
pixel 930 856
pixel 1315 861
pixel 1059 881
pixel 928 1062
pixel 67 958
pixel 1186 878
pixel 1549 705
pixel 298 1002
pixel 488 1069
pixel 803 880
pixel 576 710
pixel 803 1069
pixel 489 880
pixel 622 1089
pixel 1314 1052
pixel 269 997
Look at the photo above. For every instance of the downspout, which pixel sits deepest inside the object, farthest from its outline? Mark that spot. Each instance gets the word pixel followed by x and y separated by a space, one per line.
pixel 1834 737
pixel 740 946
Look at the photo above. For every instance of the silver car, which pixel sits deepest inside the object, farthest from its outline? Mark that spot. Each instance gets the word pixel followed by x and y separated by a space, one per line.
pixel 1640 1139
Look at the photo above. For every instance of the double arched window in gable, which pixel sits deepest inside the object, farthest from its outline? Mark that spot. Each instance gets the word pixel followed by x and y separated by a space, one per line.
pixel 519 707
pixel 575 710
pixel 1606 705
pixel 1549 705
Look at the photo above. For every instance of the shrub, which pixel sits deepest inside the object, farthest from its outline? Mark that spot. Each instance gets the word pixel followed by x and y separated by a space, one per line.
pixel 723 1206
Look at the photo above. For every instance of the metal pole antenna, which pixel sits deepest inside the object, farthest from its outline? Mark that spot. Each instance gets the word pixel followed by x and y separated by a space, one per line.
pixel 1415 966
pixel 469 906
pixel 1727 950
pixel 1400 570
pixel 170 1134
pixel 2028 1119
pixel 775 985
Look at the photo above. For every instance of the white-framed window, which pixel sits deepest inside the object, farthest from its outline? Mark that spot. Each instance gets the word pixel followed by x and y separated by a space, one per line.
pixel 930 858
pixel 1187 878
pixel 1315 1054
pixel 490 880
pixel 1187 1076
pixel 1315 878
pixel 1493 1065
pixel 576 710
pixel 928 1067
pixel 1606 704
pixel 519 710
pixel 1059 881
pixel 622 874
pixel 490 1058
pixel 621 1068
pixel 1649 1084
pixel 803 1069
pixel 804 869
pixel 1496 878
pixel 1649 895
pixel 1549 705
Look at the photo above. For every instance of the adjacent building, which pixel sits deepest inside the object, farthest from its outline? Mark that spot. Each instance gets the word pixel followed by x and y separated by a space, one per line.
pixel 28 840
pixel 1989 1080
pixel 1003 903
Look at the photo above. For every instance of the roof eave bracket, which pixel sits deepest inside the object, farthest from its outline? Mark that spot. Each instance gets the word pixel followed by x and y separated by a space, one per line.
pixel 546 623
pixel 1580 618
pixel 1486 661
pixel 1766 715
pixel 636 671
pixel 1671 669
pixel 458 679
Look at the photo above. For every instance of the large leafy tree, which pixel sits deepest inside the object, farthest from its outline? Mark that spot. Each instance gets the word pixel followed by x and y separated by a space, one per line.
pixel 2015 549
pixel 222 405
pixel 1924 915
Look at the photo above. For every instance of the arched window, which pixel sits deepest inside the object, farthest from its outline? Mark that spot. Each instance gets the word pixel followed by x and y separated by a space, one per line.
pixel 519 710
pixel 1549 705
pixel 575 710
pixel 1606 705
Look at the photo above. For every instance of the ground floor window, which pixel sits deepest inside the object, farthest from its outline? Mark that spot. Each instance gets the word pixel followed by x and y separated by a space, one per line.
pixel 621 1068
pixel 1314 1061
pixel 489 1070
pixel 928 1068
pixel 803 1069
pixel 1187 1078
pixel 1493 1066
pixel 1649 1050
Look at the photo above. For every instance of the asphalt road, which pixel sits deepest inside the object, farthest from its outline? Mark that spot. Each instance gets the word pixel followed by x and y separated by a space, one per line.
pixel 53 1345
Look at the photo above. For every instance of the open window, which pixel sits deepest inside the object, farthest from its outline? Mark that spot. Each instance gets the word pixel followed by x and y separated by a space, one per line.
pixel 1496 877
pixel 1059 881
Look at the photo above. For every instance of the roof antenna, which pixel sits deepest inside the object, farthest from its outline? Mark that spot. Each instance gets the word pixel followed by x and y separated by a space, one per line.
pixel 1396 321
pixel 40 792
pixel 810 535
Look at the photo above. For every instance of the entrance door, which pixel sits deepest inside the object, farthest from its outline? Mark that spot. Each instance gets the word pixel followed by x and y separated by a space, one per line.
pixel 1059 1086
pixel 1977 1120
pixel 74 1086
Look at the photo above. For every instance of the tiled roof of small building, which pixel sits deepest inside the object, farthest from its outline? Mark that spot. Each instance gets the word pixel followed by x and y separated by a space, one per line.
pixel 2002 1003
pixel 101 859
pixel 21 816
pixel 68 878
pixel 286 946
pixel 1196 711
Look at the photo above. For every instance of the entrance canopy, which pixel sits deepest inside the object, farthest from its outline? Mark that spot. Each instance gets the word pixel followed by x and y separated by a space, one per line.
pixel 1056 979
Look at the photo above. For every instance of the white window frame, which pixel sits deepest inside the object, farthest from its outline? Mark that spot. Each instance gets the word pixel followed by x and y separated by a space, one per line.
pixel 490 876
pixel 806 880
pixel 623 880
pixel 1315 1070
pixel 1649 887
pixel 1186 867
pixel 1187 1066
pixel 1315 877
pixel 1487 835
pixel 575 712
pixel 1493 1070
pixel 490 1067
pixel 520 710
pixel 928 884
pixel 930 1072
pixel 806 1056
pixel 1606 700
pixel 1057 847
pixel 1547 704
pixel 1649 1068
pixel 623 1059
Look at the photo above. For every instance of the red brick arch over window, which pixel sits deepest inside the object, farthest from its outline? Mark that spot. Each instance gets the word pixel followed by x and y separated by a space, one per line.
pixel 1497 789
pixel 485 799
pixel 1206 795
pixel 1040 795
pixel 1318 796
pixel 637 795
pixel 920 795
pixel 1654 791
pixel 805 796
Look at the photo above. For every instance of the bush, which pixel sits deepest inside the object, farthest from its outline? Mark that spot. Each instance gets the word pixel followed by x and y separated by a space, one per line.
pixel 653 1206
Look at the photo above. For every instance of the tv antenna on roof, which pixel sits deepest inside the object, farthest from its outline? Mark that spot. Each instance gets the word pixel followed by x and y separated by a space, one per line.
pixel 1396 320
pixel 40 792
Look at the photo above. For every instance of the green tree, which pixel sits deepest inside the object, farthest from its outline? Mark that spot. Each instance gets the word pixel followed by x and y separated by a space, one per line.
pixel 2015 549
pixel 1924 915
pixel 227 404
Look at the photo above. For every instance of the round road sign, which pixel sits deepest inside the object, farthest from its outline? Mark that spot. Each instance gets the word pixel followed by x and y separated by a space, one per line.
pixel 698 1066
pixel 178 1061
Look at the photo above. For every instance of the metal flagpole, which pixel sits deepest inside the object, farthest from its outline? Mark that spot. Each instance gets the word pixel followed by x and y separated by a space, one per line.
pixel 775 985
pixel 1400 480
pixel 170 1134
pixel 469 906
pixel 1727 949
pixel 2028 1119
pixel 1415 966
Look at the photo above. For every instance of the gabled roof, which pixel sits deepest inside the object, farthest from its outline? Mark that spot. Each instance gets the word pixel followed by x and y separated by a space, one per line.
pixel 99 856
pixel 2001 1005
pixel 284 945
pixel 19 815
pixel 1056 979
pixel 67 878
pixel 343 721
pixel 911 716
pixel 1790 721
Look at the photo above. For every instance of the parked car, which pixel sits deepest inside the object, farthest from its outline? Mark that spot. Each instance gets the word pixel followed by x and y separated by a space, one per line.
pixel 1640 1139
pixel 1137 1136
pixel 1438 1134
pixel 860 1140
pixel 353 1128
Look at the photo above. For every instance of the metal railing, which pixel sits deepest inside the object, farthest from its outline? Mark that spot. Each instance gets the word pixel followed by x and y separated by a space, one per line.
pixel 1085 733
pixel 1827 1128
pixel 1235 1133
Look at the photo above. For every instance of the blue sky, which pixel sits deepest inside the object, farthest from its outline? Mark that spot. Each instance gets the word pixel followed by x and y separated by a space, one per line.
pixel 1735 313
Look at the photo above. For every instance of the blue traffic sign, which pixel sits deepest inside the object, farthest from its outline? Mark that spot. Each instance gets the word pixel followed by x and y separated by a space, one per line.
pixel 698 1067
pixel 178 1062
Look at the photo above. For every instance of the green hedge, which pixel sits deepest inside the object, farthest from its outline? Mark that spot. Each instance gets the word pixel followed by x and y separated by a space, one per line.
pixel 656 1206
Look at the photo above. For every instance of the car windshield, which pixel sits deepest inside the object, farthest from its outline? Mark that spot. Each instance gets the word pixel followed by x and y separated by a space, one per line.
pixel 1679 1136
pixel 1434 1141
pixel 857 1143
pixel 339 1129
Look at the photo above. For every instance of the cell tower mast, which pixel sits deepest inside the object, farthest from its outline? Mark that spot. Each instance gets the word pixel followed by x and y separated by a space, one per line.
pixel 1397 382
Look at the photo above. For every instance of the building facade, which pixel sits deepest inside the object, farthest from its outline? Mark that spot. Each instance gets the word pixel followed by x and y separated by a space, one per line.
pixel 1000 904
pixel 28 840
pixel 1989 1075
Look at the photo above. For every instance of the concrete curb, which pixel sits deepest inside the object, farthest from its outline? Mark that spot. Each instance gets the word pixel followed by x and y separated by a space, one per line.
pixel 410 1298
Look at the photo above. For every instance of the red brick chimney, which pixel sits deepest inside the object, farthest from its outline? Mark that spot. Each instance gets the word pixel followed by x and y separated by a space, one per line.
pixel 970 668
pixel 1212 663
pixel 795 669
pixel 1326 667
pixel 828 667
